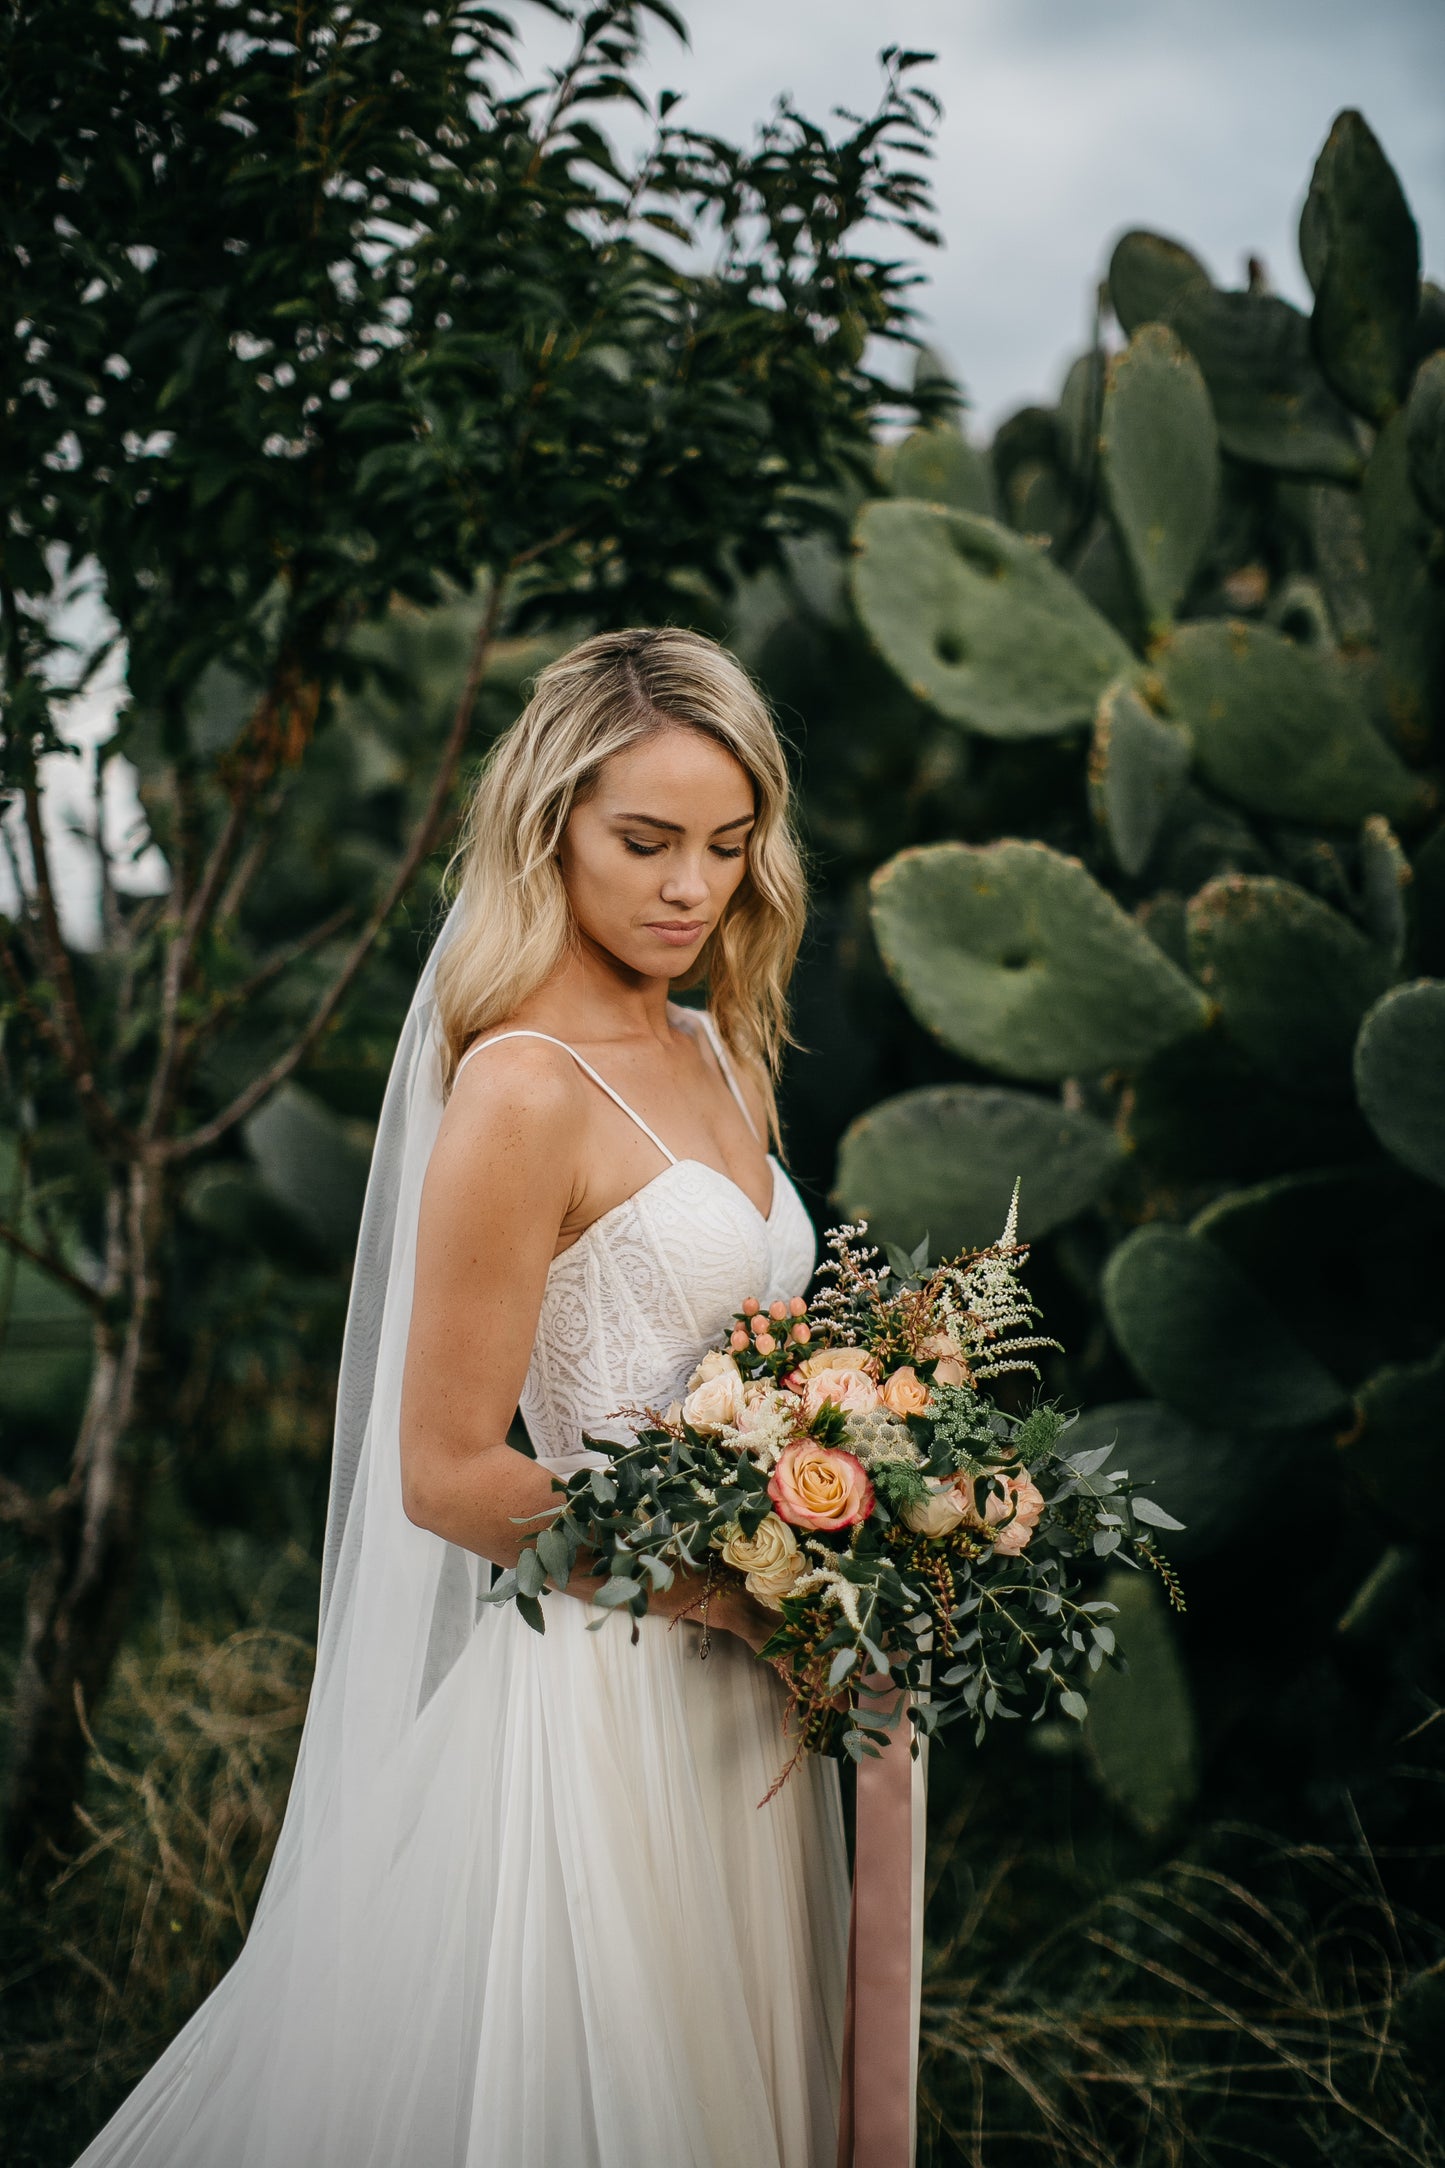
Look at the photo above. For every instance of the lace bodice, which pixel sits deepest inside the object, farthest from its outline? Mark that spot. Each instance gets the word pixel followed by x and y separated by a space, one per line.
pixel 630 1307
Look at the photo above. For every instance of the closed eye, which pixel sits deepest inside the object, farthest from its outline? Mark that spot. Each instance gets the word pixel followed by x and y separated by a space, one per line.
pixel 650 850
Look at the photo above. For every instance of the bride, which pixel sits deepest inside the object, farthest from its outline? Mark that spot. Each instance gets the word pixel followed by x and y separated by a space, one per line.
pixel 525 1910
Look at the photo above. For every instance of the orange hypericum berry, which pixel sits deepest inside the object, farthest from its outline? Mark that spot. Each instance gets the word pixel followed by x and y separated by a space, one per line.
pixel 802 1334
pixel 751 1306
pixel 797 1307
pixel 759 1322
pixel 765 1343
pixel 777 1311
pixel 739 1339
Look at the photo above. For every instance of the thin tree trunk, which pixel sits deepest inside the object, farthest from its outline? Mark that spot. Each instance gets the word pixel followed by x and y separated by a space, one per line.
pixel 79 1595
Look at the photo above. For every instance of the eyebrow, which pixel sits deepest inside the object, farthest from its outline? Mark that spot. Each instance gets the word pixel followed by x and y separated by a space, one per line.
pixel 650 820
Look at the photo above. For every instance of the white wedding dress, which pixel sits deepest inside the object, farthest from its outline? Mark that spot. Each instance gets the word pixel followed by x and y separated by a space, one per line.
pixel 552 1927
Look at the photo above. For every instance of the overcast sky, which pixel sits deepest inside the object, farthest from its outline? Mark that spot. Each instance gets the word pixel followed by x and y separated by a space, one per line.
pixel 1066 121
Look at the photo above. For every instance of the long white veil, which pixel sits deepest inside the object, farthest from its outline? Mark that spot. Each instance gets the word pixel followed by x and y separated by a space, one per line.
pixel 254 2078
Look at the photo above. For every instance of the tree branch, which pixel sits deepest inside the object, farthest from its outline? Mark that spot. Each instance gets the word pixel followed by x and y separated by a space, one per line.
pixel 49 1262
pixel 69 1035
pixel 107 1130
pixel 281 960
pixel 22 1509
pixel 423 837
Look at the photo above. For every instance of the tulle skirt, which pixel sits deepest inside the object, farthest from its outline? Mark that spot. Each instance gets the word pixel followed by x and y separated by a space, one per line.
pixel 560 1932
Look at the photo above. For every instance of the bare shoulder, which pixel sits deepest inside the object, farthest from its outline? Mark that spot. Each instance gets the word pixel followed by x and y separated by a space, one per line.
pixel 520 1095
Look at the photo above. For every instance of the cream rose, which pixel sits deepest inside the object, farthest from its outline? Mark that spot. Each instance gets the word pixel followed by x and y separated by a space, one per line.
pixel 718 1400
pixel 904 1392
pixel 762 1406
pixel 819 1486
pixel 769 1560
pixel 713 1365
pixel 939 1513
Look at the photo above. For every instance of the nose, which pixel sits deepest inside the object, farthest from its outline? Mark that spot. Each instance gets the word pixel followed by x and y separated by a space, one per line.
pixel 684 885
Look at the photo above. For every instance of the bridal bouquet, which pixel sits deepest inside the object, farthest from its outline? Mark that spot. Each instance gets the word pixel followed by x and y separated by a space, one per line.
pixel 845 1460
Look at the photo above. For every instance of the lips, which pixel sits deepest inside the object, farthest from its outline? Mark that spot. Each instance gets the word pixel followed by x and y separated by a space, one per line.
pixel 679 933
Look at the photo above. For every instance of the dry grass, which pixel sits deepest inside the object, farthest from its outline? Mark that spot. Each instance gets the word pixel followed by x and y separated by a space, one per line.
pixel 1251 2004
pixel 191 1765
pixel 1185 2020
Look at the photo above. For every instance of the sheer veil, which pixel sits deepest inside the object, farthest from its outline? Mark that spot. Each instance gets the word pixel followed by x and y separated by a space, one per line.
pixel 358 1881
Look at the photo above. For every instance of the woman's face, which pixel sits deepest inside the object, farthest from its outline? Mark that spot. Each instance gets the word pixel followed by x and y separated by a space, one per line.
pixel 655 853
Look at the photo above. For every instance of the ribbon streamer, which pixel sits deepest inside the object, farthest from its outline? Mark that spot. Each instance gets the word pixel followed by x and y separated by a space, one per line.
pixel 878 2100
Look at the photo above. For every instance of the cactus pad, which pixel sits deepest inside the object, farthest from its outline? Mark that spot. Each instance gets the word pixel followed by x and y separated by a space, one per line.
pixel 1401 543
pixel 939 465
pixel 1203 1337
pixel 1137 765
pixel 1279 728
pixel 1392 1448
pixel 1147 275
pixel 1271 403
pixel 976 622
pixel 1425 435
pixel 1400 1074
pixel 942 1162
pixel 1292 977
pixel 1159 457
pixel 1015 956
pixel 1361 252
pixel 1140 1732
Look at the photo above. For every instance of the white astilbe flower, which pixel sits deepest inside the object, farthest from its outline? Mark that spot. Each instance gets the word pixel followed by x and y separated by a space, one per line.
pixel 836 1589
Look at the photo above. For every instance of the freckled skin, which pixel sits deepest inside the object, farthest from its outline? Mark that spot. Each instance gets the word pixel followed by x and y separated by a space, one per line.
pixel 530 1152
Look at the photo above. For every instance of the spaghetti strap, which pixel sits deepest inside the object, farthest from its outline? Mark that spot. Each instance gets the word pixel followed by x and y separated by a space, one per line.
pixel 725 1064
pixel 600 1081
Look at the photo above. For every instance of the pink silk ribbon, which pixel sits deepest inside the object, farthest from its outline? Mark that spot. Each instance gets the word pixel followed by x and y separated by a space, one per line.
pixel 877 2106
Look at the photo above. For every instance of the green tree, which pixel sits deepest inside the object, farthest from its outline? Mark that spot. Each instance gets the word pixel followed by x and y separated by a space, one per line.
pixel 317 313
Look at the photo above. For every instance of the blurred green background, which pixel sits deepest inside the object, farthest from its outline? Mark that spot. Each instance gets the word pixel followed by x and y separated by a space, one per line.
pixel 1119 749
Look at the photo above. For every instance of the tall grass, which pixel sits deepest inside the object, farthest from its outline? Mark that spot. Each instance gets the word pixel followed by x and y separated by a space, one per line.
pixel 190 1766
pixel 1254 2002
pixel 1249 2003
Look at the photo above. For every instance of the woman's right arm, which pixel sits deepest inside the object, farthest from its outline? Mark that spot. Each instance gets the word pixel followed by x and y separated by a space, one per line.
pixel 503 1176
pixel 498 1186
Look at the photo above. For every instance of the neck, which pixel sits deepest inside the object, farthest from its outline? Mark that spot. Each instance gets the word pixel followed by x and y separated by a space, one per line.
pixel 605 999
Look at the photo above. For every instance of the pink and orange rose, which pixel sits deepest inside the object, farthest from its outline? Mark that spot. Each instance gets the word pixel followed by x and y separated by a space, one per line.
pixel 820 1486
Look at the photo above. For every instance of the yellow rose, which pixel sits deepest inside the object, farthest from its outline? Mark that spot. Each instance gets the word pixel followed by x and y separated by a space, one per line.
pixel 769 1560
pixel 904 1392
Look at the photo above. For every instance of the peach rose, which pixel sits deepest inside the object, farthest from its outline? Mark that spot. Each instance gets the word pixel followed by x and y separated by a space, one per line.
pixel 950 1367
pixel 939 1513
pixel 819 1486
pixel 718 1399
pixel 1020 1509
pixel 769 1560
pixel 839 1374
pixel 904 1392
pixel 837 1358
pixel 851 1389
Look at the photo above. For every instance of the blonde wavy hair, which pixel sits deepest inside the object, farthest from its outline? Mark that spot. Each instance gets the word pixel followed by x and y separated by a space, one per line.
pixel 604 695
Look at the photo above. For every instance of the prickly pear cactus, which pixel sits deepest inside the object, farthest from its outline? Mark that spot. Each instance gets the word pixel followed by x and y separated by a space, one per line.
pixel 1172 946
